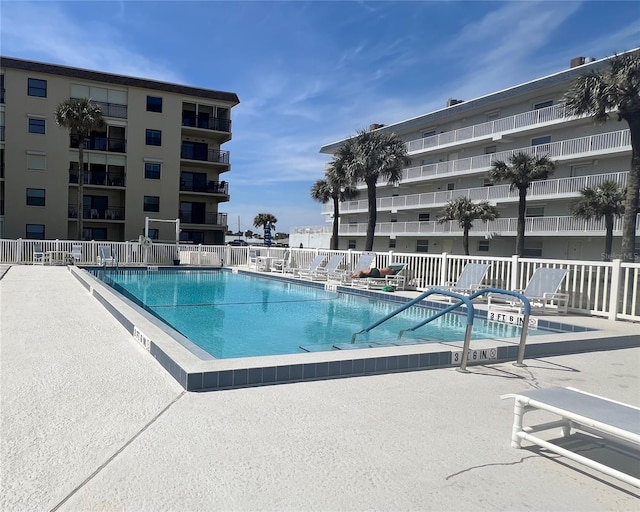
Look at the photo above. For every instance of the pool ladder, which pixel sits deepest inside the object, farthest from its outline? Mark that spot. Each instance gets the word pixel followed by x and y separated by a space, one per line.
pixel 462 300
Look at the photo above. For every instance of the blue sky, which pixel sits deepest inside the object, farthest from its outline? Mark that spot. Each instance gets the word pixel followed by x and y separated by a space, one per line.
pixel 311 73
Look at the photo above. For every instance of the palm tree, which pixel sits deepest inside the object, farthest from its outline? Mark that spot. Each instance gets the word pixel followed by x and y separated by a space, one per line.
pixel 465 211
pixel 375 155
pixel 600 92
pixel 334 187
pixel 605 200
pixel 521 170
pixel 265 221
pixel 80 117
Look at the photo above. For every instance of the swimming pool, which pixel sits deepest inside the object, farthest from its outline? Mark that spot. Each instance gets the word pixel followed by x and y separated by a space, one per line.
pixel 237 315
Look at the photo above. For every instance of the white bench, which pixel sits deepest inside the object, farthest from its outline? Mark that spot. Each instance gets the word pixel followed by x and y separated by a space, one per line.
pixel 607 419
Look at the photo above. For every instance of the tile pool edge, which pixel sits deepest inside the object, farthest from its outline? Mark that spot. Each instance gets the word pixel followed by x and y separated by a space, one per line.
pixel 195 374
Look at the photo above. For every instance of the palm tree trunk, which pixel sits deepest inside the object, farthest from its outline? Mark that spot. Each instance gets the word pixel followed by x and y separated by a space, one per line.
pixel 465 240
pixel 522 208
pixel 632 201
pixel 336 213
pixel 80 186
pixel 608 239
pixel 373 213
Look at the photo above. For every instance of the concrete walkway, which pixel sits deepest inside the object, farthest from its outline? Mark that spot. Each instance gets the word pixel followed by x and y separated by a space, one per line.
pixel 89 421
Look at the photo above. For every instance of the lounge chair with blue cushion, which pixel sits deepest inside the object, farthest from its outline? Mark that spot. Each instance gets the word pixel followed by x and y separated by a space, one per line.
pixel 542 292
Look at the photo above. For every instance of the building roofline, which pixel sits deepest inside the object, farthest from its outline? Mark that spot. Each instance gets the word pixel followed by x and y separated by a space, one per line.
pixel 564 75
pixel 98 76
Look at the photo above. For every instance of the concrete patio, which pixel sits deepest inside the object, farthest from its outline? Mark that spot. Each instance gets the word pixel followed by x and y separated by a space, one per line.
pixel 90 421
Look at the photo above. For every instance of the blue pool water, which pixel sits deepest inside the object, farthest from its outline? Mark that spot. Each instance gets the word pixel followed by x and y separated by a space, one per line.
pixel 236 315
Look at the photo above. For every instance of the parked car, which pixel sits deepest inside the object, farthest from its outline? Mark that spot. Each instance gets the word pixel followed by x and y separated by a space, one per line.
pixel 238 242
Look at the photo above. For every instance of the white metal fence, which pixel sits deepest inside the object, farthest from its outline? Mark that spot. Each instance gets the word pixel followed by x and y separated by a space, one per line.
pixel 607 289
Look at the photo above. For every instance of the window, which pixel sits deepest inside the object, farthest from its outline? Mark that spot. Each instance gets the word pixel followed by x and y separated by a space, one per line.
pixel 151 204
pixel 534 211
pixel 352 244
pixel 154 138
pixel 492 116
pixel 154 233
pixel 37 88
pixel 422 246
pixel 195 237
pixel 35 231
pixel 394 217
pixel 152 171
pixel 542 104
pixel 451 186
pixel 488 150
pixel 154 104
pixel 392 243
pixel 424 217
pixel 429 133
pixel 541 140
pixel 35 196
pixel 486 182
pixel 532 248
pixel 94 233
pixel 36 125
pixel 36 162
pixel 483 245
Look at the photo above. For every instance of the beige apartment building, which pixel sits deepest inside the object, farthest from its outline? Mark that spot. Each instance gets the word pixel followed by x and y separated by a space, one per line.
pixel 452 150
pixel 159 156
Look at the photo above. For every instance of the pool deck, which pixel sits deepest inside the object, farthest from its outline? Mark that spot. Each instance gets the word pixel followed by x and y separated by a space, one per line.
pixel 90 421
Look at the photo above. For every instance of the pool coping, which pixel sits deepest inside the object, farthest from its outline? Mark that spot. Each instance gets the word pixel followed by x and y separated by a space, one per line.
pixel 201 372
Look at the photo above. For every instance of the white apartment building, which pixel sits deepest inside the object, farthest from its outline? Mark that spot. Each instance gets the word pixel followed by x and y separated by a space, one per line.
pixel 452 150
pixel 159 156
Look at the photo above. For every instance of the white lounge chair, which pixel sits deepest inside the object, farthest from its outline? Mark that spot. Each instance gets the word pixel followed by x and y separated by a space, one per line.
pixel 469 280
pixel 281 264
pixel 76 253
pixel 322 273
pixel 252 262
pixel 344 276
pixel 314 265
pixel 397 279
pixel 542 292
pixel 39 255
pixel 612 421
pixel 105 257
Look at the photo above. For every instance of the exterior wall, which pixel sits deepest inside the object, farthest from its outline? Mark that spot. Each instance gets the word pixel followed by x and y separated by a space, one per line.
pixel 127 198
pixel 447 164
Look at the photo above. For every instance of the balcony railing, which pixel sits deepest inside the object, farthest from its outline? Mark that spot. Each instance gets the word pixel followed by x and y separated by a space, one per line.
pixel 211 218
pixel 543 226
pixel 506 124
pixel 100 144
pixel 210 187
pixel 570 148
pixel 105 178
pixel 562 187
pixel 109 213
pixel 210 155
pixel 207 122
pixel 111 109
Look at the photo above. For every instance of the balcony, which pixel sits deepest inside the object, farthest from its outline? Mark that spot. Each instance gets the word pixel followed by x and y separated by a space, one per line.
pixel 552 189
pixel 100 178
pixel 209 218
pixel 2 133
pixel 2 90
pixel 110 144
pixel 217 156
pixel 111 109
pixel 203 122
pixel 111 213
pixel 210 187
pixel 534 226
pixel 519 122
pixel 590 146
